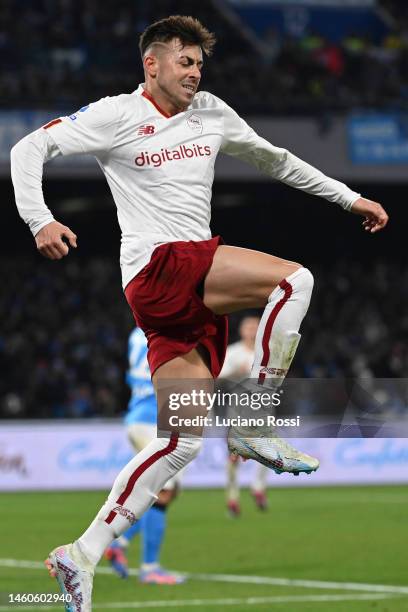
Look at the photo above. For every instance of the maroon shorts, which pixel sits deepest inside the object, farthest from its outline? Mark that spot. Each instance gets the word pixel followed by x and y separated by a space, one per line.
pixel 165 303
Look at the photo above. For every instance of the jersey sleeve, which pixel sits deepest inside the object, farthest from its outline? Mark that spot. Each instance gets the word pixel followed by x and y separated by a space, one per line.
pixel 241 141
pixel 91 130
pixel 27 159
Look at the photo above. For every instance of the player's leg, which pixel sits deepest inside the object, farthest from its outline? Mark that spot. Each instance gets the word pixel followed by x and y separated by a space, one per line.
pixel 258 487
pixel 134 491
pixel 169 378
pixel 232 492
pixel 241 278
pixel 137 485
pixel 116 553
pixel 154 521
pixel 154 524
pixel 139 436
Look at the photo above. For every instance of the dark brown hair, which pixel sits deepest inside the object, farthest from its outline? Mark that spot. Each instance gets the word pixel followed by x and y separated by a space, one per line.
pixel 188 29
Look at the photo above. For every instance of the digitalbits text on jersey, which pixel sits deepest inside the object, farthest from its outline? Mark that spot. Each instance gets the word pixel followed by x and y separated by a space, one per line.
pixel 156 159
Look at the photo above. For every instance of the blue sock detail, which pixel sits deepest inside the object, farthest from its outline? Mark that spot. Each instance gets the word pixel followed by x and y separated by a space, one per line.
pixel 130 533
pixel 153 529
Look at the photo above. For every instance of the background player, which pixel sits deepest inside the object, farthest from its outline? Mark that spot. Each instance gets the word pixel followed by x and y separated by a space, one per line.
pixel 141 419
pixel 237 366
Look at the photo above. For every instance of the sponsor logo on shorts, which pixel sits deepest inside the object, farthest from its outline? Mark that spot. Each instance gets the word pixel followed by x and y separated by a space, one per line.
pixel 158 158
pixel 146 130
pixel 127 514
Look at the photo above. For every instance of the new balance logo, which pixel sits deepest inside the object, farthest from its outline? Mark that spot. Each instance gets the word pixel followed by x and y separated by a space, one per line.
pixel 146 130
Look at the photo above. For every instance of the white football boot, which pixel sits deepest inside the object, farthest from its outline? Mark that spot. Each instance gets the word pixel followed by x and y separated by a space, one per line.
pixel 270 450
pixel 75 580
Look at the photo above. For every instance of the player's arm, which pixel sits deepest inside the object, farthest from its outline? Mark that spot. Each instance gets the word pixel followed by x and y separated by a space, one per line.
pixel 85 132
pixel 27 160
pixel 242 141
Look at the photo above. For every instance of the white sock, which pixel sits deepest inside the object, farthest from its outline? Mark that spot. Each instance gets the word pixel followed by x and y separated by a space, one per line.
pixel 259 484
pixel 277 336
pixel 135 490
pixel 232 485
pixel 149 567
pixel 123 542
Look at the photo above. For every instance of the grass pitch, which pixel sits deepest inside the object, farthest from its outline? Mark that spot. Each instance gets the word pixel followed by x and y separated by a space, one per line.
pixel 316 541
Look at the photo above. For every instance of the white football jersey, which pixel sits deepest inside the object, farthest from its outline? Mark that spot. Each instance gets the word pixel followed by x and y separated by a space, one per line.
pixel 160 169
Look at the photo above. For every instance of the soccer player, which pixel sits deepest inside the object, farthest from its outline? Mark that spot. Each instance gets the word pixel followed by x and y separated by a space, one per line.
pixel 238 362
pixel 141 419
pixel 157 148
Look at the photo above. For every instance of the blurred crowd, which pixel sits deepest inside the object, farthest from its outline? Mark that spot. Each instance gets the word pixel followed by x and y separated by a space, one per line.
pixel 62 54
pixel 63 338
pixel 355 326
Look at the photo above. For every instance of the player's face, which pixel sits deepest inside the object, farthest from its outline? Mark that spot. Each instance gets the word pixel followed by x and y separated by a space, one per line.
pixel 179 73
pixel 248 329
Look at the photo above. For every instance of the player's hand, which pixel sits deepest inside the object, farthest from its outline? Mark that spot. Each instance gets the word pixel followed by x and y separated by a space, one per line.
pixel 375 216
pixel 50 242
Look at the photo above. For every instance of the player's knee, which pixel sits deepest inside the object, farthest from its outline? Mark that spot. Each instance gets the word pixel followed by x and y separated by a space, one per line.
pixel 165 497
pixel 302 280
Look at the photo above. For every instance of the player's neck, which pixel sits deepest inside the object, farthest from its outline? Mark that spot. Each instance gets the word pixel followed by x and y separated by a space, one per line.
pixel 249 344
pixel 161 101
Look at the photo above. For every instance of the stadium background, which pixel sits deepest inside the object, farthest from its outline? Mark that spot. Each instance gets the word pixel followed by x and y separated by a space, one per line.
pixel 326 79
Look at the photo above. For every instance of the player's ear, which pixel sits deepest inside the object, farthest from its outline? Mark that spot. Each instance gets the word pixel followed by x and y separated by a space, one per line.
pixel 150 64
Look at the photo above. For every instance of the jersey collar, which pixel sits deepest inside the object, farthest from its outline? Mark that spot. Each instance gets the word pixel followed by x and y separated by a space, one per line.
pixel 142 92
